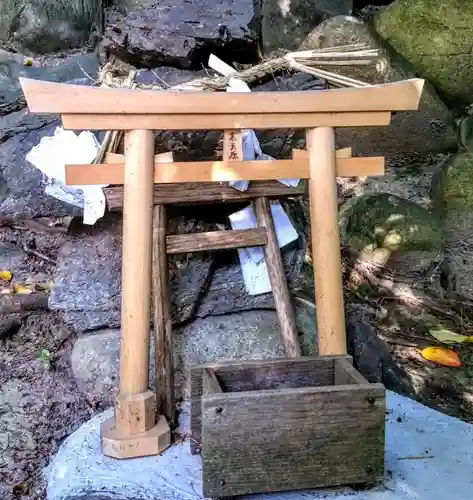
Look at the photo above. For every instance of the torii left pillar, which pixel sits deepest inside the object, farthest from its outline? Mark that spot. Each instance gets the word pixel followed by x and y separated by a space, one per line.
pixel 134 432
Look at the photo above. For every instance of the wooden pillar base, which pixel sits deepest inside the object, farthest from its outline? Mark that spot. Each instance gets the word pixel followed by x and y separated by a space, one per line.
pixel 134 431
pixel 118 444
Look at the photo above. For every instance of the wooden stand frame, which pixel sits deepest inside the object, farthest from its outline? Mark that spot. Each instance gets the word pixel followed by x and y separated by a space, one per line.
pixel 135 431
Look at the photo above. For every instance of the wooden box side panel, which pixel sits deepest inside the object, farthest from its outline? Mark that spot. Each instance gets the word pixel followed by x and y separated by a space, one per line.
pixel 292 439
pixel 237 376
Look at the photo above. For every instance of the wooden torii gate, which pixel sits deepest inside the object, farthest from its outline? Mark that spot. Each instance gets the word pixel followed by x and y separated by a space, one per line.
pixel 135 431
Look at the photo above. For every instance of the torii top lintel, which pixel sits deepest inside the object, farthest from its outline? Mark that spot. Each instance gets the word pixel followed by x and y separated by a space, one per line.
pixel 95 108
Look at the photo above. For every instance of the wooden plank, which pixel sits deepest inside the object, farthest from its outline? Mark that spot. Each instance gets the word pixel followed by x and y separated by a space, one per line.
pixel 292 439
pixel 277 278
pixel 210 383
pixel 346 373
pixel 224 122
pixel 194 193
pixel 220 171
pixel 232 145
pixel 50 97
pixel 238 376
pixel 204 192
pixel 119 158
pixel 325 237
pixel 301 154
pixel 215 240
pixel 162 317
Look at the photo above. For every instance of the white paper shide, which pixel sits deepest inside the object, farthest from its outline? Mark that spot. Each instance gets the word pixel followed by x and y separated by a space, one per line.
pixel 51 156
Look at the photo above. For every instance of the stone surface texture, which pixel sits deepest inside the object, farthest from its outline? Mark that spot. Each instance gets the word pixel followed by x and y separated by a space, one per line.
pixel 183 34
pixel 286 23
pixel 411 133
pixel 87 283
pixel 80 471
pixel 447 62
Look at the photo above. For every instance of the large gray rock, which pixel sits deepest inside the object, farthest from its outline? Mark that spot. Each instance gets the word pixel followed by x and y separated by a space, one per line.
pixel 183 34
pixel 454 199
pixel 411 133
pixel 88 278
pixel 21 184
pixel 95 359
pixel 286 24
pixel 44 26
pixel 66 69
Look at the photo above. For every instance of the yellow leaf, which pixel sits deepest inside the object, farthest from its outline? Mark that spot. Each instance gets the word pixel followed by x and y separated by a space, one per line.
pixel 21 289
pixel 441 356
pixel 6 275
pixel 449 337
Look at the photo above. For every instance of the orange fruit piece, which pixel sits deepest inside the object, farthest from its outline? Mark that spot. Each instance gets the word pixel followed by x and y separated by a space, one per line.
pixel 442 356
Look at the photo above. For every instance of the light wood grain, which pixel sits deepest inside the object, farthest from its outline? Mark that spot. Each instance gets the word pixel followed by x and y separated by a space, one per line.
pixel 136 261
pixel 215 240
pixel 292 439
pixel 198 193
pixel 224 122
pixel 50 97
pixel 117 444
pixel 277 278
pixel 162 317
pixel 241 376
pixel 232 145
pixel 325 237
pixel 119 158
pixel 135 413
pixel 220 171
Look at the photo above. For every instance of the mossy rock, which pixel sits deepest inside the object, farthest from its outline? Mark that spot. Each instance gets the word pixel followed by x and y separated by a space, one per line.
pixel 436 37
pixel 385 221
pixel 411 133
pixel 458 184
pixel 45 26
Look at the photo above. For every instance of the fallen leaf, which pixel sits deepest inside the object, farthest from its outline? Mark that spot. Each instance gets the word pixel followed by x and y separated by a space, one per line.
pixel 449 337
pixel 441 356
pixel 21 289
pixel 6 275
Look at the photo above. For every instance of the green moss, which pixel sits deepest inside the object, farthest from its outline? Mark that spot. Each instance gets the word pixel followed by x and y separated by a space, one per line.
pixel 390 222
pixel 436 37
pixel 458 189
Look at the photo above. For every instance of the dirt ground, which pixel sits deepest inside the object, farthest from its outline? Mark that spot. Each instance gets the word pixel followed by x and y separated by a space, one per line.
pixel 40 404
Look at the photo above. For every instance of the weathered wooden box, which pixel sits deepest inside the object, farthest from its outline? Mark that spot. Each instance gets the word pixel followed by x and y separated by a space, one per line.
pixel 286 424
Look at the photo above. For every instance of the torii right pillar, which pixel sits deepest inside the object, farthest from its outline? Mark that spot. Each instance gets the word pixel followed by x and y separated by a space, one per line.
pixel 325 239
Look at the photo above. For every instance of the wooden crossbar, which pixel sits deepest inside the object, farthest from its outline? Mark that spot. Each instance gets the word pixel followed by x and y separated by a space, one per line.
pixel 190 193
pixel 49 97
pixel 223 121
pixel 215 240
pixel 204 192
pixel 222 171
